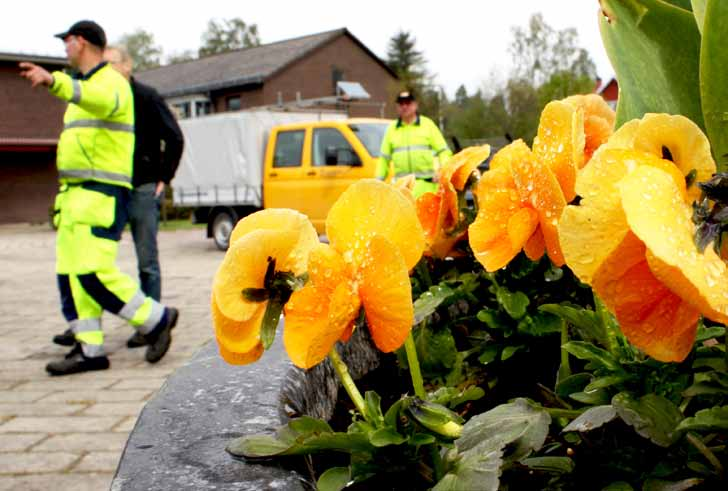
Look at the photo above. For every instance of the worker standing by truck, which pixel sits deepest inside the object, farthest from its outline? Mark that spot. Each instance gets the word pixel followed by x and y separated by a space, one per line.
pixel 411 144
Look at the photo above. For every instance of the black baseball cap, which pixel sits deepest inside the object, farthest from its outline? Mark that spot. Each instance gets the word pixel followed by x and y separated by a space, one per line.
pixel 405 96
pixel 87 29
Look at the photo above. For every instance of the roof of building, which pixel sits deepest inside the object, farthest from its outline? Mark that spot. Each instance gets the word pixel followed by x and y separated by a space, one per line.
pixel 240 67
pixel 40 59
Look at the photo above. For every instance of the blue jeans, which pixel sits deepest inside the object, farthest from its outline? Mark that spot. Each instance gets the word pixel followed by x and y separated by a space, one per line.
pixel 144 221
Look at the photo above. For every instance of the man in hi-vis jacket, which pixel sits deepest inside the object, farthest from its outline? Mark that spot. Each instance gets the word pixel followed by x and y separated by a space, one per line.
pixel 94 161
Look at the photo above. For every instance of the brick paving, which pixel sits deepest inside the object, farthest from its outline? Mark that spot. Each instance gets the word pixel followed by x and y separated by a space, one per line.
pixel 69 432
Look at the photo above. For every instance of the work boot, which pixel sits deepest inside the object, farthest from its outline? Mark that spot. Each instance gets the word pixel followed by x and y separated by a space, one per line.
pixel 77 362
pixel 137 340
pixel 160 337
pixel 65 339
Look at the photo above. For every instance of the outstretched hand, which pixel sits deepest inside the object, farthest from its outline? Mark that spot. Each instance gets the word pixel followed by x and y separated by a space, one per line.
pixel 36 74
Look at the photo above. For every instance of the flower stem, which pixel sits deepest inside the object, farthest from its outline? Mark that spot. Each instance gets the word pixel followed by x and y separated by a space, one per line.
pixel 343 373
pixel 563 413
pixel 414 367
pixel 696 442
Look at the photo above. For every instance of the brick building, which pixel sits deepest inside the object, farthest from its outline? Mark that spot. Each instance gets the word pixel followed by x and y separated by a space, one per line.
pixel 30 124
pixel 305 69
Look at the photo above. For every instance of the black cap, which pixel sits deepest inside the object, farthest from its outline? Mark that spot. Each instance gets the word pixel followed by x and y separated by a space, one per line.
pixel 87 29
pixel 404 96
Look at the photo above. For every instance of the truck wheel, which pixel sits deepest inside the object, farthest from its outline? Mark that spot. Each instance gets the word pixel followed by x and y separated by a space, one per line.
pixel 222 227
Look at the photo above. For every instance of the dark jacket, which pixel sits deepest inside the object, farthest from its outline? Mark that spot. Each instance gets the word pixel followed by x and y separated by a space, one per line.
pixel 159 142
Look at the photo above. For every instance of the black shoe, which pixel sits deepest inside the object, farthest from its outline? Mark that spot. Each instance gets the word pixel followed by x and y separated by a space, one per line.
pixel 137 340
pixel 77 362
pixel 161 337
pixel 65 339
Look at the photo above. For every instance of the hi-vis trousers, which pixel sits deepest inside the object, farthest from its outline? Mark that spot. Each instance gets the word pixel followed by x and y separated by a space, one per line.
pixel 90 218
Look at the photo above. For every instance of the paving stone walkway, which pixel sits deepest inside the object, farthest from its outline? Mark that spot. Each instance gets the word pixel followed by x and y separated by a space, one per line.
pixel 69 432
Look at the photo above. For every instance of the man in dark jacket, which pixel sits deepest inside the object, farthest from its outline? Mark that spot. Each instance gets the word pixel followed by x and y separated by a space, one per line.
pixel 157 150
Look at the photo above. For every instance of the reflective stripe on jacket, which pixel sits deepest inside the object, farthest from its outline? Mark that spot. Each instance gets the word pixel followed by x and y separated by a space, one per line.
pixel 97 142
pixel 412 148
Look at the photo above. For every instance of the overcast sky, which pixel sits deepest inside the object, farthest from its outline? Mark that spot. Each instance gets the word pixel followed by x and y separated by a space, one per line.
pixel 464 42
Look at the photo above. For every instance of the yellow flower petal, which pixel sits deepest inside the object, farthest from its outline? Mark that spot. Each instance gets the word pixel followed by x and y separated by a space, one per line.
pixel 688 145
pixel 652 317
pixel 386 294
pixel 370 207
pixel 560 143
pixel 598 121
pixel 239 342
pixel 462 164
pixel 282 219
pixel 659 216
pixel 244 266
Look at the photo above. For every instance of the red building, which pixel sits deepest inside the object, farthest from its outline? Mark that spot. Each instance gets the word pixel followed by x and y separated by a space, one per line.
pixel 31 122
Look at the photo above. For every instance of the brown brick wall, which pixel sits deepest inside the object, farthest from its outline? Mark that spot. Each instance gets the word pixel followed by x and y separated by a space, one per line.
pixel 248 98
pixel 27 112
pixel 312 76
pixel 28 185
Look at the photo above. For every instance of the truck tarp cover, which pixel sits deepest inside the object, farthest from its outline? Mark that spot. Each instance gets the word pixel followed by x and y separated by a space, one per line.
pixel 222 162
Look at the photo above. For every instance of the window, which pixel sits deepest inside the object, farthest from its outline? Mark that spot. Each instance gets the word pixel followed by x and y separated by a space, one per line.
pixel 331 148
pixel 202 108
pixel 182 109
pixel 371 135
pixel 289 149
pixel 233 103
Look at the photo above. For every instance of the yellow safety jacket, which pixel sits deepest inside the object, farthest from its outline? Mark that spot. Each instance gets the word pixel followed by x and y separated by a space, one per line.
pixel 97 142
pixel 412 149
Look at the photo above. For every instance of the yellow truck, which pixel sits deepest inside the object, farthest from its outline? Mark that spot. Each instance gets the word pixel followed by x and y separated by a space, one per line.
pixel 237 163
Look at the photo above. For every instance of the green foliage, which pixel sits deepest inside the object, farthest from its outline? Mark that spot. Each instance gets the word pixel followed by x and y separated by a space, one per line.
pixel 226 35
pixel 142 48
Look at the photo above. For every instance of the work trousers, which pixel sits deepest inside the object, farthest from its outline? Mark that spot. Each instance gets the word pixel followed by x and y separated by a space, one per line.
pixel 90 218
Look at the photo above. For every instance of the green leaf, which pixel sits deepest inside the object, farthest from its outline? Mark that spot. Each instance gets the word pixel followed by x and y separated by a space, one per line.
pixel 698 7
pixel 513 303
pixel 392 415
pixel 701 389
pixel 421 439
pixel 427 303
pixel 436 350
pixel 714 362
pixel 554 465
pixel 593 417
pixel 603 382
pixel 541 324
pixel 665 38
pixel 334 479
pixel 492 319
pixel 573 383
pixel 386 436
pixel 594 398
pixel 452 397
pixel 509 351
pixel 589 352
pixel 490 354
pixel 714 79
pixel 268 325
pixel 652 416
pixel 477 470
pixel 715 418
pixel 660 485
pixel 587 321
pixel 522 425
pixel 705 333
pixel 300 436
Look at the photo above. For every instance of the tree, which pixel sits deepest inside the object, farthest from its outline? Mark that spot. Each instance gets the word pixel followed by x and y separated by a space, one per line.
pixel 228 35
pixel 142 48
pixel 180 57
pixel 406 61
pixel 539 51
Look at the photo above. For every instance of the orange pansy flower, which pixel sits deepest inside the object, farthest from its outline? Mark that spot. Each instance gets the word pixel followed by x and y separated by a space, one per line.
pixel 375 240
pixel 631 238
pixel 439 212
pixel 519 204
pixel 283 236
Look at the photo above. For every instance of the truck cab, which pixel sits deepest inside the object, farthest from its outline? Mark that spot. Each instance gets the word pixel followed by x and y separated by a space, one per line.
pixel 309 164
